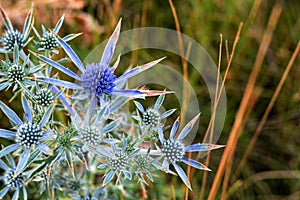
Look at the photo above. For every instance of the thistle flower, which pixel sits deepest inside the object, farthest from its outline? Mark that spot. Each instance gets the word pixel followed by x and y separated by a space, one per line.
pixel 27 135
pixel 92 131
pixel 13 36
pixel 119 160
pixel 97 79
pixel 44 97
pixel 13 180
pixel 16 74
pixel 144 164
pixel 70 147
pixel 174 150
pixel 150 119
pixel 47 41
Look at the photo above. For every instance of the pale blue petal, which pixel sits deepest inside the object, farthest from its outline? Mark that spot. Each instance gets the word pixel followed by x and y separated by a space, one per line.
pixel 25 196
pixel 26 108
pixel 57 66
pixel 102 166
pixel 174 129
pixel 71 37
pixel 127 174
pixel 28 23
pixel 59 24
pixel 6 20
pixel 64 100
pixel 4 85
pixel 46 116
pixel 90 111
pixel 111 126
pixel 9 149
pixel 108 177
pixel 137 70
pixel 25 89
pixel 182 175
pixel 60 83
pixel 47 138
pixel 149 176
pixel 110 141
pixel 16 53
pixel 100 115
pixel 111 45
pixel 138 118
pixel 10 114
pixel 70 53
pixel 59 93
pixel 195 164
pixel 11 160
pixel 4 191
pixel 23 161
pixel 10 135
pixel 139 106
pixel 167 113
pixel 129 93
pixel 134 153
pixel 202 147
pixel 161 135
pixel 16 195
pixel 166 165
pixel 185 131
pixel 45 149
pixel 159 102
pixel 3 166
pixel 157 147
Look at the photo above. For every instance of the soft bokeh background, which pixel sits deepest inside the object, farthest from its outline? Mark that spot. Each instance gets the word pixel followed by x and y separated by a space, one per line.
pixel 277 149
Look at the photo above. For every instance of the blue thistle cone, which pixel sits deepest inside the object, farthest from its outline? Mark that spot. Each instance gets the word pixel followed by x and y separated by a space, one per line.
pixel 12 181
pixel 16 72
pixel 173 150
pixel 10 38
pixel 98 79
pixel 28 134
pixel 44 97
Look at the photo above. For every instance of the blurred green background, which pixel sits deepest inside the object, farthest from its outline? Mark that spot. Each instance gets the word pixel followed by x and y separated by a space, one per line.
pixel 278 146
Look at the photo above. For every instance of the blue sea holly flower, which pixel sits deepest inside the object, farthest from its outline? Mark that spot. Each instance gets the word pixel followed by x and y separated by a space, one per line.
pixel 150 119
pixel 16 75
pixel 118 161
pixel 97 79
pixel 47 41
pixel 13 180
pixel 93 131
pixel 174 150
pixel 13 36
pixel 27 135
pixel 144 164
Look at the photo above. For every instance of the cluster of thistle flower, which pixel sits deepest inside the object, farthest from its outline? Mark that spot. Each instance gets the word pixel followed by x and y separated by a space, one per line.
pixel 99 139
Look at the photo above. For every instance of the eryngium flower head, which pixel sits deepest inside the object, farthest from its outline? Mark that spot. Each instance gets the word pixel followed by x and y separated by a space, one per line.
pixel 173 150
pixel 143 163
pixel 28 134
pixel 120 161
pixel 48 42
pixel 44 97
pixel 10 38
pixel 98 79
pixel 12 181
pixel 151 117
pixel 90 135
pixel 16 72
